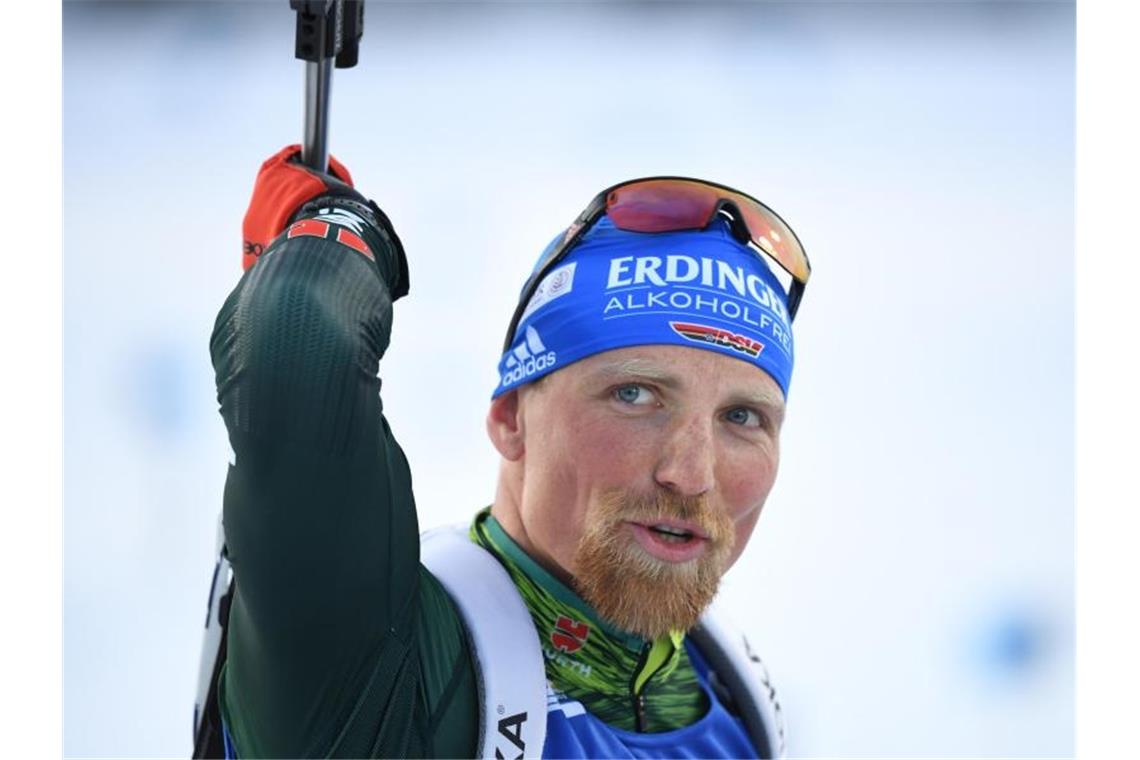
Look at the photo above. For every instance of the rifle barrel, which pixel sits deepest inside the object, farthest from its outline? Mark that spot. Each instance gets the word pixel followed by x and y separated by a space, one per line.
pixel 318 87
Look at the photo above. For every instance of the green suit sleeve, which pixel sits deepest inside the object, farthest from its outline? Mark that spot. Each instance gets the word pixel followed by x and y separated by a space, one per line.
pixel 332 614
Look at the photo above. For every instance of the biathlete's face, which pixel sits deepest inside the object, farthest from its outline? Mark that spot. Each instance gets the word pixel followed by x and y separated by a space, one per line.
pixel 637 476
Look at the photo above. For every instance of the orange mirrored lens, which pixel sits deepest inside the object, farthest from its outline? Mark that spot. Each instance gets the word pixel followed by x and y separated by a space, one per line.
pixel 661 206
pixel 668 205
pixel 774 237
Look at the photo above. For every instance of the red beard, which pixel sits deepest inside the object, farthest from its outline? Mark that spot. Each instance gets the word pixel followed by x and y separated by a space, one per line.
pixel 636 591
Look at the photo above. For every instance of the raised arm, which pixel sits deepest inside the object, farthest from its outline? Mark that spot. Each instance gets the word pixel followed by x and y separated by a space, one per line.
pixel 319 516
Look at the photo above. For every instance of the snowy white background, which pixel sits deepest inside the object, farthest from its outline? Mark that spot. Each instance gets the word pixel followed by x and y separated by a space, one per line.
pixel 911 583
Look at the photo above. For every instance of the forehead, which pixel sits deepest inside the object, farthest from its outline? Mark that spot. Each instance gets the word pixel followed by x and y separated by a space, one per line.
pixel 692 370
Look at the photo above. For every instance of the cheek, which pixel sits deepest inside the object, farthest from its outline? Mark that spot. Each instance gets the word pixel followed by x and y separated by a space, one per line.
pixel 596 454
pixel 605 452
pixel 745 487
pixel 572 458
pixel 747 477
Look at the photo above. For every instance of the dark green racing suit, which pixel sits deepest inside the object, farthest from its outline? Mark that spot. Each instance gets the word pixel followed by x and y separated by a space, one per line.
pixel 340 643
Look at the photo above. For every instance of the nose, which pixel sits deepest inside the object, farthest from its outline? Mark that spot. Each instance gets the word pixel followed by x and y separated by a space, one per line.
pixel 686 464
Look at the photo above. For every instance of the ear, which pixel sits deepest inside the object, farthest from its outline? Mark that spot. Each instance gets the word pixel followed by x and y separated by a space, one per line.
pixel 505 426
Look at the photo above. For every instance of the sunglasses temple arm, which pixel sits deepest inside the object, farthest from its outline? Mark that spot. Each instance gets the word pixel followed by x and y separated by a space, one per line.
pixel 795 294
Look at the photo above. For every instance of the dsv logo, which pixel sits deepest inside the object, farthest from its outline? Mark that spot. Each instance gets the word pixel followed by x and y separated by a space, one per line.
pixel 511 727
pixel 569 635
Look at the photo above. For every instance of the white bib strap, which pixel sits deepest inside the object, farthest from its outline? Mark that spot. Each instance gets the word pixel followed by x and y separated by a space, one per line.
pixel 207 719
pixel 729 654
pixel 509 666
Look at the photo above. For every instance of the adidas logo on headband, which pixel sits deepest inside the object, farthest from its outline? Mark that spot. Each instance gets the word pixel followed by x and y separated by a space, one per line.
pixel 528 357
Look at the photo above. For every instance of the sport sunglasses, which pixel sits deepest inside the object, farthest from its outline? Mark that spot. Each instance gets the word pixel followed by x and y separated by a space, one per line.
pixel 673 204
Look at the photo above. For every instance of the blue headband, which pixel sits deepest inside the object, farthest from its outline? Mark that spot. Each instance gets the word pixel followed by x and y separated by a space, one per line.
pixel 699 288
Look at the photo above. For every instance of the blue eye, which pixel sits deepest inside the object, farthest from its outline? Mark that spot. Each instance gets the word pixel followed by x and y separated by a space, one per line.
pixel 744 416
pixel 633 394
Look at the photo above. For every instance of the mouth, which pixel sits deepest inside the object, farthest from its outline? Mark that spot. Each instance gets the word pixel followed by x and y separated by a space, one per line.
pixel 670 540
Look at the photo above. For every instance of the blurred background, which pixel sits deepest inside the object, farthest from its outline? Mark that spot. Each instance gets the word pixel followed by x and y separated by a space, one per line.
pixel 910 586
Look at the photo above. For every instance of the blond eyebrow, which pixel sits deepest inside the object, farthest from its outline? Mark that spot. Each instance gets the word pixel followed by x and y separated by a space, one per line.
pixel 765 397
pixel 643 368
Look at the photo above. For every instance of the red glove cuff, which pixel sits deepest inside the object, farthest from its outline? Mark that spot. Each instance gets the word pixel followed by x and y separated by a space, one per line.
pixel 281 188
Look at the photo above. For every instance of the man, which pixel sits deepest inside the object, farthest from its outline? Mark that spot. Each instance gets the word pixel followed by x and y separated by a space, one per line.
pixel 642 392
